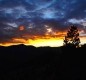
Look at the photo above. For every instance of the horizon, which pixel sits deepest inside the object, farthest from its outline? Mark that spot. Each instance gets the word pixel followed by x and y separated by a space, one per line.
pixel 51 42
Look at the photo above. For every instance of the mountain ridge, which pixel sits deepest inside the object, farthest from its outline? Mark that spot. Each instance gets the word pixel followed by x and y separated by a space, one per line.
pixel 43 63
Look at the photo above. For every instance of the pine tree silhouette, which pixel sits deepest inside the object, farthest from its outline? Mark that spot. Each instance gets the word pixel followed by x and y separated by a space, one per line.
pixel 72 37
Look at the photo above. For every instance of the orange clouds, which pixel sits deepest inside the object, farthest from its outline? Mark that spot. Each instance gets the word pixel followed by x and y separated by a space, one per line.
pixel 21 28
pixel 54 40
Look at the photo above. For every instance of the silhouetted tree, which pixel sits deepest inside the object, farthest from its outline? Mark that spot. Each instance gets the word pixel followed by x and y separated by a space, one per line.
pixel 72 37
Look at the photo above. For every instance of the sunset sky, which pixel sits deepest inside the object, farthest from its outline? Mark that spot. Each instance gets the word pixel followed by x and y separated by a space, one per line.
pixel 40 22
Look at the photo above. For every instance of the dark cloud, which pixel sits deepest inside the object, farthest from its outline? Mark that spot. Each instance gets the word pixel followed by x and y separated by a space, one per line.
pixel 35 14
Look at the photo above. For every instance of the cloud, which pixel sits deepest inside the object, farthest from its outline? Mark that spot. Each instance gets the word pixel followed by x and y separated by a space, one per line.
pixel 35 14
pixel 78 21
pixel 82 33
pixel 12 24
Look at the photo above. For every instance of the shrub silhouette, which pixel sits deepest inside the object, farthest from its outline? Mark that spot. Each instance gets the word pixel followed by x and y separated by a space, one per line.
pixel 72 37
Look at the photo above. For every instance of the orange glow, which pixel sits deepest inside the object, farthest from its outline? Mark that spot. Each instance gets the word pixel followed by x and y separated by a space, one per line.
pixel 21 28
pixel 18 40
pixel 54 40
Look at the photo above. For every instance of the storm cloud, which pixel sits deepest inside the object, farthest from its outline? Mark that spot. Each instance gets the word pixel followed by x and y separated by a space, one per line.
pixel 34 15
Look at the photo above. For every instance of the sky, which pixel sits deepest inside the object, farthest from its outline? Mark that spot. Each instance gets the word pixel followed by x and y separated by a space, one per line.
pixel 40 22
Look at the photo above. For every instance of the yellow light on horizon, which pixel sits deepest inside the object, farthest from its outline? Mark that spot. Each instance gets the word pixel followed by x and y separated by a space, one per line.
pixel 52 42
pixel 40 41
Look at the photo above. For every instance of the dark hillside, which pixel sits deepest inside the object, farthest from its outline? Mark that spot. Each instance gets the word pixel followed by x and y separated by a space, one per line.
pixel 44 63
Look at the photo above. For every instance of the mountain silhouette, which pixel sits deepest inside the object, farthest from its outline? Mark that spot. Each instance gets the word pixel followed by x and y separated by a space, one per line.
pixel 22 62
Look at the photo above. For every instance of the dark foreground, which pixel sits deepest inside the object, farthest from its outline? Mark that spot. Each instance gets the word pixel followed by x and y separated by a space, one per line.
pixel 30 63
